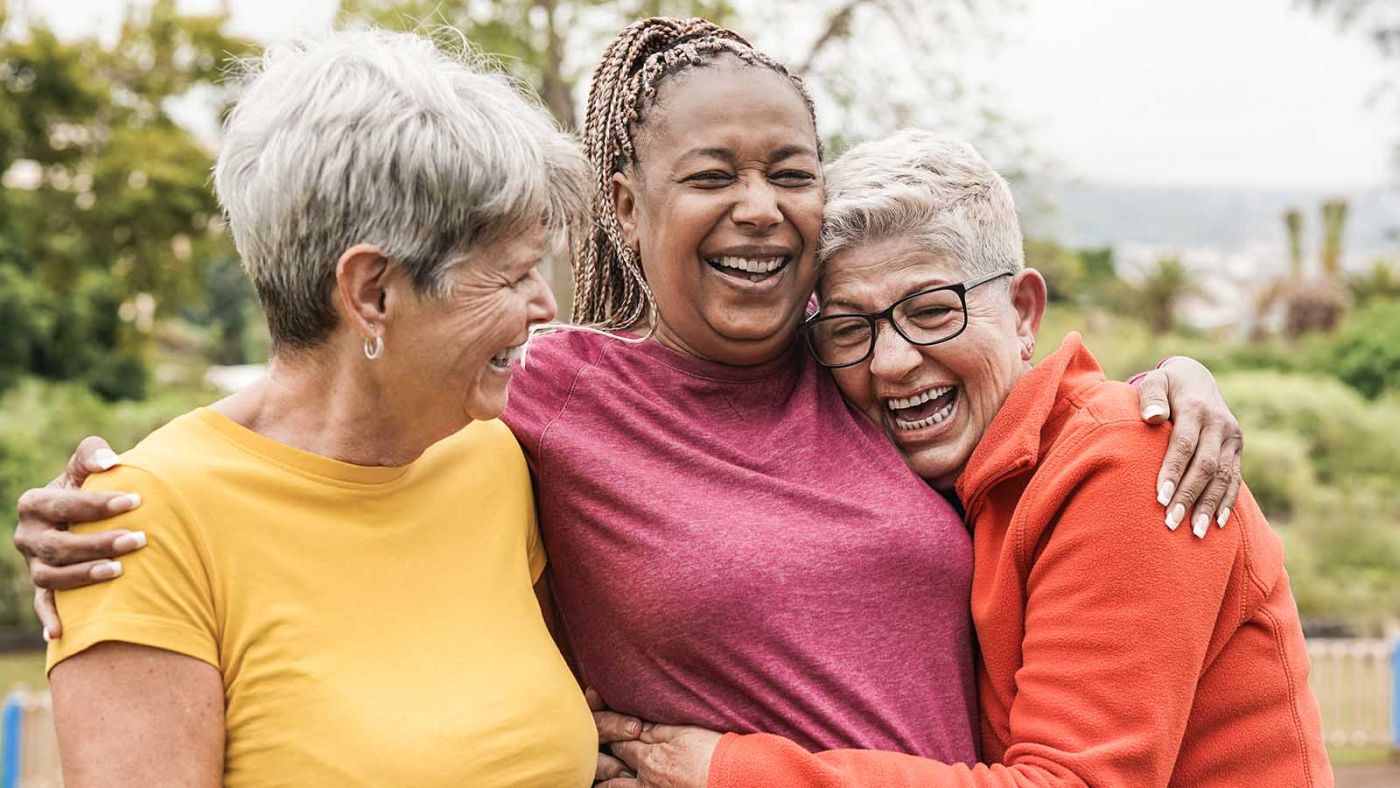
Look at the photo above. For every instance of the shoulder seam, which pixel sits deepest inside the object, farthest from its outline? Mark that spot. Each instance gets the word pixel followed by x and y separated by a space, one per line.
pixel 564 407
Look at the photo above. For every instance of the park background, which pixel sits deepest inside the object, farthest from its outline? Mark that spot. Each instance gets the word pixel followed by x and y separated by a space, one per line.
pixel 1220 180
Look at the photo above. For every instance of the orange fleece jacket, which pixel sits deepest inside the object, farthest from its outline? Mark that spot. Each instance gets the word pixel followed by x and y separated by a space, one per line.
pixel 1113 652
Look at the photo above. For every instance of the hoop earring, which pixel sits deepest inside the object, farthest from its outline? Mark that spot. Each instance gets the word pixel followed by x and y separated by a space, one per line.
pixel 374 349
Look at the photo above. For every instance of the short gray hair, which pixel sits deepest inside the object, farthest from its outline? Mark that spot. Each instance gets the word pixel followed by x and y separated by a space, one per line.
pixel 385 139
pixel 936 191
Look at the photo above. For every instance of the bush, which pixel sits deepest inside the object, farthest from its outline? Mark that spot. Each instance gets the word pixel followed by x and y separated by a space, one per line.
pixel 1345 435
pixel 1366 353
pixel 40 423
pixel 1279 472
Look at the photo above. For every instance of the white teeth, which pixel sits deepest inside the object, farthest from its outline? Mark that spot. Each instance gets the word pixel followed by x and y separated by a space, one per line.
pixel 917 399
pixel 503 358
pixel 942 414
pixel 764 265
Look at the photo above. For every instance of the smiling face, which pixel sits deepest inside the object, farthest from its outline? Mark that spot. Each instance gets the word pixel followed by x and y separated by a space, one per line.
pixel 934 402
pixel 464 341
pixel 725 207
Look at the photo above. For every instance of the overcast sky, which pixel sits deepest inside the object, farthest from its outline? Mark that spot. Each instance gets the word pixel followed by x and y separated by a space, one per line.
pixel 1253 93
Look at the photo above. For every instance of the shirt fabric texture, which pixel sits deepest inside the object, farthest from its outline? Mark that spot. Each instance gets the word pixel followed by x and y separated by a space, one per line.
pixel 373 625
pixel 1114 652
pixel 736 547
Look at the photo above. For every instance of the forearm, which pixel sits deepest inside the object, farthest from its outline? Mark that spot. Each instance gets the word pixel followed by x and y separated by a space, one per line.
pixel 763 760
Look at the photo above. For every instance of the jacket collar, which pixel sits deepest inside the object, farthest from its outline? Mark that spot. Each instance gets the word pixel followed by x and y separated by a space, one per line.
pixel 1030 420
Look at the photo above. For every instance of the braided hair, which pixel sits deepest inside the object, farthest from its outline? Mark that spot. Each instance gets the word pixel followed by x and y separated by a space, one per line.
pixel 610 290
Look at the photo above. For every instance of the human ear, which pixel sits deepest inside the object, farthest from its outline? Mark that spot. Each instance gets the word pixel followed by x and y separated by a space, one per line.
pixel 624 200
pixel 1028 297
pixel 361 283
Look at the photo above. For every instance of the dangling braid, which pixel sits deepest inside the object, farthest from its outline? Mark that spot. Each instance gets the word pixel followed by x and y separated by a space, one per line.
pixel 610 290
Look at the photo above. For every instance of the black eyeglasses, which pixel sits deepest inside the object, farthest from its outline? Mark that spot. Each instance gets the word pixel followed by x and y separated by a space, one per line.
pixel 927 317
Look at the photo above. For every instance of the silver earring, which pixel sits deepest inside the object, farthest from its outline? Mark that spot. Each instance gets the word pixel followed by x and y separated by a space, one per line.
pixel 374 348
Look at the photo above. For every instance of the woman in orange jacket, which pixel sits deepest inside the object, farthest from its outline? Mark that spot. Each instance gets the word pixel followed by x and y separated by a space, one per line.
pixel 1110 655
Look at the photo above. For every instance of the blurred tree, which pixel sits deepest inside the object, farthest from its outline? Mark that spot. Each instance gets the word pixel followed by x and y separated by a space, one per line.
pixel 1162 291
pixel 103 190
pixel 1381 282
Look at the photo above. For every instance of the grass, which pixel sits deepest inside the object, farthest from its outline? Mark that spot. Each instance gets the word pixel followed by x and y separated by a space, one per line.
pixel 22 668
pixel 1358 756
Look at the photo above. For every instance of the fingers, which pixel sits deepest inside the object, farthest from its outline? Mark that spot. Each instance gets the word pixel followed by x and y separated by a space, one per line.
pixel 62 578
pixel 630 752
pixel 1152 397
pixel 610 768
pixel 47 612
pixel 1227 502
pixel 1203 469
pixel 45 507
pixel 57 548
pixel 1186 433
pixel 621 782
pixel 613 727
pixel 93 455
pixel 1210 503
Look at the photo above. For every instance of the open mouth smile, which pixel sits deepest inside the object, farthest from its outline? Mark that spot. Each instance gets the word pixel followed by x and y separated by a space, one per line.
pixel 750 269
pixel 502 359
pixel 921 410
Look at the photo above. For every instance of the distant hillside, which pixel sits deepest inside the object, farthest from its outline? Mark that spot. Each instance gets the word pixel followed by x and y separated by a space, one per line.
pixel 1228 220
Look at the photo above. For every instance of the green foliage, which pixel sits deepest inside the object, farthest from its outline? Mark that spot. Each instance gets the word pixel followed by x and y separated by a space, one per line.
pixel 40 423
pixel 107 196
pixel 1279 472
pixel 1345 435
pixel 1366 352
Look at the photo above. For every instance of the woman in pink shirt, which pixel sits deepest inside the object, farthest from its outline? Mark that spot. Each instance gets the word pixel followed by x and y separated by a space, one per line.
pixel 731 544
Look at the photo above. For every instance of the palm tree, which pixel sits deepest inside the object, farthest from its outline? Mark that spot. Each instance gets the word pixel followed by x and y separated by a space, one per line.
pixel 1162 290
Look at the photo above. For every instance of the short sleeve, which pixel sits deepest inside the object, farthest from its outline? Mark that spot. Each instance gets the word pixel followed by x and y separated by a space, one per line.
pixel 163 598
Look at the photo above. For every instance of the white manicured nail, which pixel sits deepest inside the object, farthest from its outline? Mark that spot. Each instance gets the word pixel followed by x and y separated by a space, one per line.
pixel 1222 516
pixel 107 570
pixel 1199 524
pixel 105 458
pixel 1175 516
pixel 47 639
pixel 1164 492
pixel 124 503
pixel 1153 411
pixel 132 541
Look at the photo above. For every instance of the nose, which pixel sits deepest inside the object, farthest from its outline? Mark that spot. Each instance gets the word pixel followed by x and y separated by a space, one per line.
pixel 541 307
pixel 894 357
pixel 758 205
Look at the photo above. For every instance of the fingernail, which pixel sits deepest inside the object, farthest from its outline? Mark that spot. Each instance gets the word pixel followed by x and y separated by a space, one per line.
pixel 1199 524
pixel 107 570
pixel 47 639
pixel 1153 411
pixel 628 775
pixel 1175 516
pixel 105 458
pixel 124 503
pixel 1164 492
pixel 132 541
pixel 1222 516
pixel 634 727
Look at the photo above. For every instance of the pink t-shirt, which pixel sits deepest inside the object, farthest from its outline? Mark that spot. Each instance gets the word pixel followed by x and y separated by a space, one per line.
pixel 737 548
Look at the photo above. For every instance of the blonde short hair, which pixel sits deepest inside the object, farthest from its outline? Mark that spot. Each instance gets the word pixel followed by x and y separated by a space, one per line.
pixel 936 191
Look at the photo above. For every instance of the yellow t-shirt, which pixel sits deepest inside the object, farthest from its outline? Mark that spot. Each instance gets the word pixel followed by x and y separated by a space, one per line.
pixel 374 626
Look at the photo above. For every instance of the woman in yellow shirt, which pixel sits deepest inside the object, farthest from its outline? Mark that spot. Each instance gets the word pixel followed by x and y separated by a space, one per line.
pixel 387 201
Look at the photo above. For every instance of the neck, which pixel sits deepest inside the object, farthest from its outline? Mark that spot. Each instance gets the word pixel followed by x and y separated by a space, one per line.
pixel 329 406
pixel 736 353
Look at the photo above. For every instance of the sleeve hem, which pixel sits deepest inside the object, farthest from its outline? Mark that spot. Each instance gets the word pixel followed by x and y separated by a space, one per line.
pixel 177 637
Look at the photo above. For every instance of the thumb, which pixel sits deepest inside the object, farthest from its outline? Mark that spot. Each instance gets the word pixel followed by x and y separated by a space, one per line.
pixel 1152 397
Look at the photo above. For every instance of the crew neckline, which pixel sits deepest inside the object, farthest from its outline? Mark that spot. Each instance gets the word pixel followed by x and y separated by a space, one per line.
pixel 298 459
pixel 787 361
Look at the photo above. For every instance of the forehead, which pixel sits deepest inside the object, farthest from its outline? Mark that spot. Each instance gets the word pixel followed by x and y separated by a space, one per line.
pixel 870 276
pixel 726 103
pixel 520 247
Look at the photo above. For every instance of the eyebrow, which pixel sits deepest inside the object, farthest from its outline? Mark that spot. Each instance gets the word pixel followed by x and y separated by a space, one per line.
pixel 840 302
pixel 727 155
